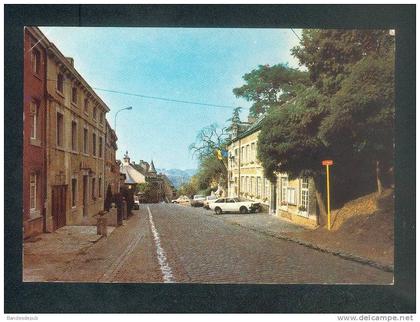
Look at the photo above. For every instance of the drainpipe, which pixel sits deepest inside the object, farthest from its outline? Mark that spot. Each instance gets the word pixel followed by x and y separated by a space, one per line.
pixel 44 140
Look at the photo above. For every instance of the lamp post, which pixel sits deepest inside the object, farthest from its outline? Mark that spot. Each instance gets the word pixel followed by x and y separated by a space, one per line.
pixel 115 120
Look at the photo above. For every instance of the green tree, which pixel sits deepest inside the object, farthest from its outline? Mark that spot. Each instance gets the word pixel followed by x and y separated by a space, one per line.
pixel 362 114
pixel 289 141
pixel 329 54
pixel 271 85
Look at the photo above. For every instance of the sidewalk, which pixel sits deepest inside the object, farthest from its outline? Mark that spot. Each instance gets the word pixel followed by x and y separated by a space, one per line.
pixel 46 255
pixel 347 244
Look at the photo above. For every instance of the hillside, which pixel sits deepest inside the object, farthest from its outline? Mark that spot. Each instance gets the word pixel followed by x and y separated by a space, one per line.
pixel 364 226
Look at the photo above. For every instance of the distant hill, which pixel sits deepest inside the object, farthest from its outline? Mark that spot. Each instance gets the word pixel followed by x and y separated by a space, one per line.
pixel 178 176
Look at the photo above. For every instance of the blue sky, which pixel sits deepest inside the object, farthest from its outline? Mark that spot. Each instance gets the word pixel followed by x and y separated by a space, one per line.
pixel 201 65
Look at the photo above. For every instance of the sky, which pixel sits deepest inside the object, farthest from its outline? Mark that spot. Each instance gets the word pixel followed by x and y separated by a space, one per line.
pixel 188 64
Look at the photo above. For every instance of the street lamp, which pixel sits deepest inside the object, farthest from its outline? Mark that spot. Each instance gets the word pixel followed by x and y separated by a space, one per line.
pixel 115 120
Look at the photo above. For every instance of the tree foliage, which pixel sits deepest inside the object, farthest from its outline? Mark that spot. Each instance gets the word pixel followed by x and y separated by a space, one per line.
pixel 347 114
pixel 267 86
pixel 329 54
pixel 289 141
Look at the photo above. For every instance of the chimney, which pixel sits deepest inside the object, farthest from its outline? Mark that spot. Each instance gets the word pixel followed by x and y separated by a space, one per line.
pixel 251 119
pixel 70 60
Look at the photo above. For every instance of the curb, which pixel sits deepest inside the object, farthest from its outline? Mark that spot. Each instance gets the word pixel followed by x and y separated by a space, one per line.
pixel 344 255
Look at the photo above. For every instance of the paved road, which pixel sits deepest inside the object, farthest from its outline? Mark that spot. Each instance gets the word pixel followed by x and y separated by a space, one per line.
pixel 172 243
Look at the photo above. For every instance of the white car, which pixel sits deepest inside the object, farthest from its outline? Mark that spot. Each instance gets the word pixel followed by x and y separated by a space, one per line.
pixel 182 200
pixel 234 205
pixel 198 201
pixel 209 200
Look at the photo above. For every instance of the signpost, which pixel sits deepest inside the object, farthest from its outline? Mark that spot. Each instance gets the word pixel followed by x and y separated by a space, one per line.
pixel 327 164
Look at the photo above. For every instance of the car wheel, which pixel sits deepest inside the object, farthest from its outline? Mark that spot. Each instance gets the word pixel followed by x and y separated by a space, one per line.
pixel 218 210
pixel 243 210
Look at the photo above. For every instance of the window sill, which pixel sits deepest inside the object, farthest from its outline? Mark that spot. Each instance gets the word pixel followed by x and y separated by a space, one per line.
pixel 74 152
pixel 74 104
pixel 34 215
pixel 60 148
pixel 35 142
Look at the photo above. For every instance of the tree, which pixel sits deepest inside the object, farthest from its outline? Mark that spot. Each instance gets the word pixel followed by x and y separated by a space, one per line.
pixel 210 140
pixel 362 114
pixel 267 86
pixel 289 141
pixel 329 54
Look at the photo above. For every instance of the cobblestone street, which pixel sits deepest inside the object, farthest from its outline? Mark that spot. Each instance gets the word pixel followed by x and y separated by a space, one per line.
pixel 171 243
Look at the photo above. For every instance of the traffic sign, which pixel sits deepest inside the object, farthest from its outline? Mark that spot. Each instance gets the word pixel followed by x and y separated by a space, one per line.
pixel 327 162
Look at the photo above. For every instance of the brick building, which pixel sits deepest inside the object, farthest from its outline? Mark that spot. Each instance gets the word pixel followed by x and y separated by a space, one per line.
pixel 34 108
pixel 75 153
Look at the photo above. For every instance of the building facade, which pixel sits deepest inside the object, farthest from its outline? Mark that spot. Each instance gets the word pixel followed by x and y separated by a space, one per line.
pixel 112 168
pixel 34 109
pixel 75 141
pixel 291 199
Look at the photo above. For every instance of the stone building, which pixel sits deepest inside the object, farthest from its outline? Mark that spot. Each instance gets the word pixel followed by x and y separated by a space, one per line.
pixel 143 172
pixel 75 143
pixel 112 168
pixel 34 109
pixel 291 199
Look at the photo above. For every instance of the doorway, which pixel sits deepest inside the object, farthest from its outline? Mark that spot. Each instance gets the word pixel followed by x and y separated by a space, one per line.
pixel 59 197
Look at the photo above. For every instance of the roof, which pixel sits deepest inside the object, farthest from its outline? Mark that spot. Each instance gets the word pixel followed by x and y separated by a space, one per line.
pixel 152 168
pixel 132 175
pixel 256 126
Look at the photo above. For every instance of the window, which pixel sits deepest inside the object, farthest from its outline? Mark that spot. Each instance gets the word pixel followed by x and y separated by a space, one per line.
pixel 100 187
pixel 93 187
pixel 247 153
pixel 304 194
pixel 60 129
pixel 94 144
pixel 258 186
pixel 100 147
pixel 32 192
pixel 253 154
pixel 60 83
pixel 249 184
pixel 101 118
pixel 267 188
pixel 291 196
pixel 86 105
pixel 94 112
pixel 74 136
pixel 85 140
pixel 34 110
pixel 284 194
pixel 73 192
pixel 74 95
pixel 36 61
pixel 243 154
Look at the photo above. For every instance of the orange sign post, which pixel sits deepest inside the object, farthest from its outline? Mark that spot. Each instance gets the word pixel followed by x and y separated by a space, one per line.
pixel 327 164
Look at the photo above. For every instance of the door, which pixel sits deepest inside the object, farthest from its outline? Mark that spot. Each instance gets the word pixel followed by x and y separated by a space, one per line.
pixel 59 197
pixel 85 196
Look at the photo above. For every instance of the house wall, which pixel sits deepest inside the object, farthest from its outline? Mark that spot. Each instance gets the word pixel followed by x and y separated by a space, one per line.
pixel 285 198
pixel 63 162
pixel 33 148
pixel 112 169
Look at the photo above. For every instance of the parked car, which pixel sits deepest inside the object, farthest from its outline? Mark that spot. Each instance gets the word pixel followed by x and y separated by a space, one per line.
pixel 182 200
pixel 208 201
pixel 198 201
pixel 234 205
